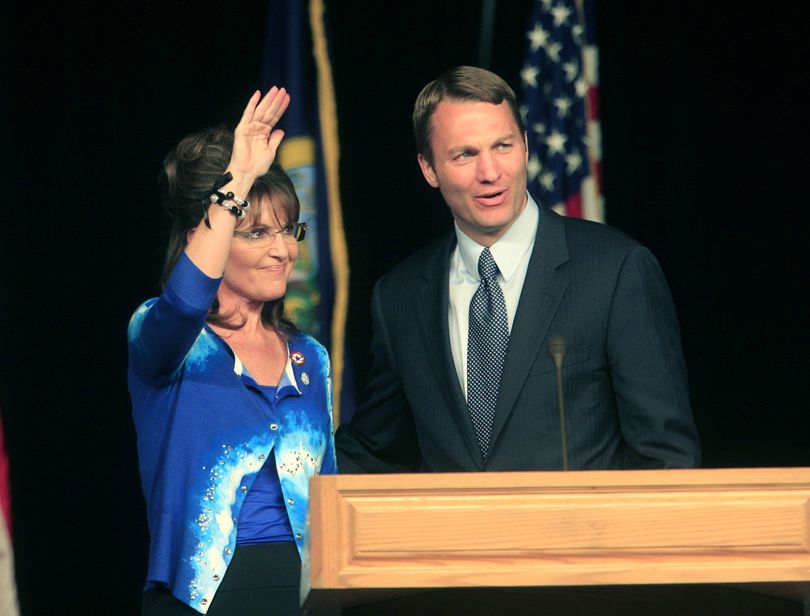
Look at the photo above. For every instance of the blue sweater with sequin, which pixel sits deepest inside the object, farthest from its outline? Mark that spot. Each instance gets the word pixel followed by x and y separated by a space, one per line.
pixel 203 433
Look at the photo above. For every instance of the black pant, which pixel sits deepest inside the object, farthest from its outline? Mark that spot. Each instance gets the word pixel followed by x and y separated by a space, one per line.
pixel 262 580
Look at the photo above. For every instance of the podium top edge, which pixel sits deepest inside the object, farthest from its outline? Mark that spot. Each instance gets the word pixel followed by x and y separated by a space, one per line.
pixel 787 476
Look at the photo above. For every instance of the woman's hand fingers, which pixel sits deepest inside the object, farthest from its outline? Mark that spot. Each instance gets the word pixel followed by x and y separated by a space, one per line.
pixel 262 115
pixel 255 137
pixel 267 101
pixel 277 103
pixel 250 109
pixel 274 141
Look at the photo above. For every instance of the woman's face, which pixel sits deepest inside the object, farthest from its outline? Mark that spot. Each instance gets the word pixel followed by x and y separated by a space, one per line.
pixel 258 270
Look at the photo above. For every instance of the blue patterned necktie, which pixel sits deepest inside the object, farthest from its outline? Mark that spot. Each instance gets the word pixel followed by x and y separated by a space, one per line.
pixel 486 349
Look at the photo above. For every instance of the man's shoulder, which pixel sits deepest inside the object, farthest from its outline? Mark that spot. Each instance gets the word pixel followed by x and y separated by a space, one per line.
pixel 424 263
pixel 579 230
pixel 577 238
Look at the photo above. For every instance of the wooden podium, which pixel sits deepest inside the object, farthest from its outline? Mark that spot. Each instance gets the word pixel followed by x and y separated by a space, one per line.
pixel 381 538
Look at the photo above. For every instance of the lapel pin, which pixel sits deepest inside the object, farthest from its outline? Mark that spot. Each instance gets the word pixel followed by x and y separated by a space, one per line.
pixel 297 358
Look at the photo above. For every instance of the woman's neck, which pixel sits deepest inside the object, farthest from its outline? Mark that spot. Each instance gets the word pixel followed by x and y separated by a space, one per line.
pixel 245 314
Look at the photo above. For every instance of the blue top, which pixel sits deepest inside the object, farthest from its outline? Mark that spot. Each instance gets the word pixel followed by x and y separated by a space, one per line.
pixel 263 518
pixel 203 434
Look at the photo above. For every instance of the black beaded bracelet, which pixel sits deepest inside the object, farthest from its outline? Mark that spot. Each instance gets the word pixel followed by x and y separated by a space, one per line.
pixel 235 205
pixel 221 197
pixel 231 207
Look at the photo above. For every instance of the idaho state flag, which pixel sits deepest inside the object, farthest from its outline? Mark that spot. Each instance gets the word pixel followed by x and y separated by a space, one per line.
pixel 296 56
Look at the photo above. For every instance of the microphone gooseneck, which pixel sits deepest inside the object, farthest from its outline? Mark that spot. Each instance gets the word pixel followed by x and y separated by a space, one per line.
pixel 557 349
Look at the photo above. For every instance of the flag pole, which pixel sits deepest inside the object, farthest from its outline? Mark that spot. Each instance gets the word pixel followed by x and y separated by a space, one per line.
pixel 327 110
pixel 485 35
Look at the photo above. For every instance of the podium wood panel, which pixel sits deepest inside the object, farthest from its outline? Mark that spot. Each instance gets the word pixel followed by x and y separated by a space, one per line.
pixel 532 529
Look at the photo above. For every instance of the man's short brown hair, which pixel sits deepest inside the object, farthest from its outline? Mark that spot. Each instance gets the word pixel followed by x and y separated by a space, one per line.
pixel 463 83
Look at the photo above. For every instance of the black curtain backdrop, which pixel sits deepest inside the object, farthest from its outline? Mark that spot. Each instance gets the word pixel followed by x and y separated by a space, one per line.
pixel 704 142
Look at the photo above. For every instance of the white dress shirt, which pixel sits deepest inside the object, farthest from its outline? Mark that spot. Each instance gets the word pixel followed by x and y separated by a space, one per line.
pixel 511 253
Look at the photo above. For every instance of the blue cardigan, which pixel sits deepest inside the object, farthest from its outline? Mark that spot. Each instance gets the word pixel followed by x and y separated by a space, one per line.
pixel 204 432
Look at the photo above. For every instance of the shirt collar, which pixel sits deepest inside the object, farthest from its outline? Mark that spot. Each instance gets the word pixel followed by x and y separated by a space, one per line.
pixel 287 384
pixel 508 250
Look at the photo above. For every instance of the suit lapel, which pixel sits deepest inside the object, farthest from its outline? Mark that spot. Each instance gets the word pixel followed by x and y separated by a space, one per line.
pixel 431 308
pixel 542 292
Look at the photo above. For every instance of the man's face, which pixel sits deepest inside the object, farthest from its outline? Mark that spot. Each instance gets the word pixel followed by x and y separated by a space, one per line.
pixel 479 165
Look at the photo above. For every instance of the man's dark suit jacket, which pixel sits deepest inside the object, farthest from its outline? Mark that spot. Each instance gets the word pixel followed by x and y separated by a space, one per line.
pixel 625 385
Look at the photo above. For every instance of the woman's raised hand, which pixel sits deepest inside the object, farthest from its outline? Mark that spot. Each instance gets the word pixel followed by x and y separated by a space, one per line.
pixel 255 138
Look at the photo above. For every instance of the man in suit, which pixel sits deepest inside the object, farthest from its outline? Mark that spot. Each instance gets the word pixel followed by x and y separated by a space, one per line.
pixel 461 378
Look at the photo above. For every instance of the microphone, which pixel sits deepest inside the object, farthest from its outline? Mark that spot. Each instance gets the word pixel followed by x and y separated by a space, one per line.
pixel 556 348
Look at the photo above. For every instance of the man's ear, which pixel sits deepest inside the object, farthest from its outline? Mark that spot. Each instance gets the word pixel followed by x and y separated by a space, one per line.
pixel 526 145
pixel 427 171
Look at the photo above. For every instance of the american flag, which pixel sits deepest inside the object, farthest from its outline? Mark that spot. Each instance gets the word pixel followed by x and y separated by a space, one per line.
pixel 560 107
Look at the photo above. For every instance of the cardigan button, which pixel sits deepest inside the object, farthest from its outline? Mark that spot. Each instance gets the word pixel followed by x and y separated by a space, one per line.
pixel 274 426
pixel 290 501
pixel 299 536
pixel 244 489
